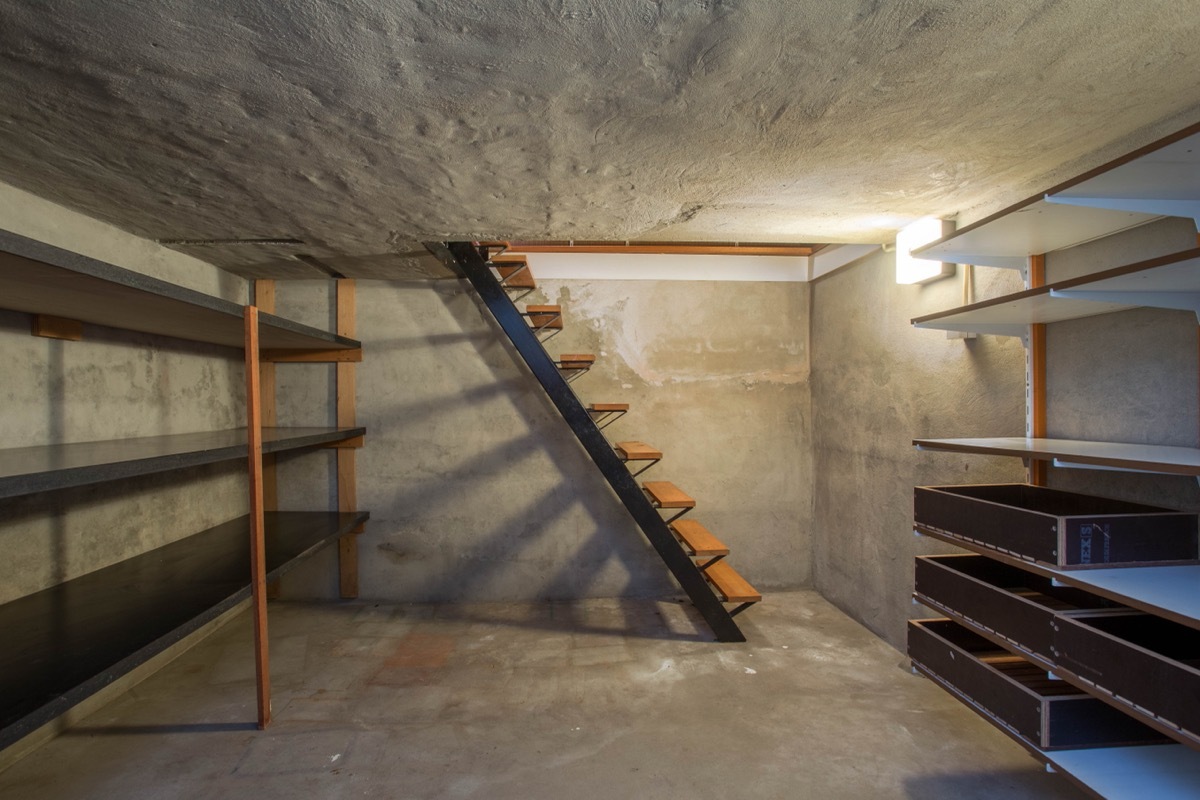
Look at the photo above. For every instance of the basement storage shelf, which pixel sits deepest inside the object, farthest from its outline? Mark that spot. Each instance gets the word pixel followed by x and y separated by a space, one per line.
pixel 1056 529
pixel 1032 589
pixel 67 642
pixel 1065 452
pixel 1140 663
pixel 1172 592
pixel 1171 281
pixel 1016 694
pixel 1047 716
pixel 37 278
pixel 25 470
pixel 1145 185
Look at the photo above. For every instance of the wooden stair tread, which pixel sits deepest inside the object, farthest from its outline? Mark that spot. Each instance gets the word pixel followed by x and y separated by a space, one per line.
pixel 545 316
pixel 512 274
pixel 637 451
pixel 698 539
pixel 576 360
pixel 604 407
pixel 732 587
pixel 667 495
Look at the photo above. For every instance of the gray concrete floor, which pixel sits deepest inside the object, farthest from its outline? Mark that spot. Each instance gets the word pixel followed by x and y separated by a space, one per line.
pixel 606 699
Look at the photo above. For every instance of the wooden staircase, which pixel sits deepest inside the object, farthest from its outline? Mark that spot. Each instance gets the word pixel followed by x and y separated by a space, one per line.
pixel 709 581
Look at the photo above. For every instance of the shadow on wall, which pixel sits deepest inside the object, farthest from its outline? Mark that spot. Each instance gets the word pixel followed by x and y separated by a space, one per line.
pixel 60 534
pixel 556 490
pixel 1006 783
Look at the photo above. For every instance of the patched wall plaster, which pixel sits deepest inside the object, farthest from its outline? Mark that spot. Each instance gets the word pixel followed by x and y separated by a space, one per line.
pixel 478 490
pixel 877 384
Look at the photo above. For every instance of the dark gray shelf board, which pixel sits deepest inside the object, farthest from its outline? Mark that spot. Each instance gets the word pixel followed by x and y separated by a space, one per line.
pixel 25 470
pixel 65 643
pixel 37 278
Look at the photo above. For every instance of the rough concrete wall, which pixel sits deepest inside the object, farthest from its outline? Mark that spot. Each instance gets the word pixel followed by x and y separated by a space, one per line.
pixel 1125 377
pixel 113 384
pixel 477 489
pixel 306 394
pixel 877 383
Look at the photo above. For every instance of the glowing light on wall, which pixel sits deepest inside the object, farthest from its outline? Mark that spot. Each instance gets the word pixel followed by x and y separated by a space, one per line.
pixel 912 236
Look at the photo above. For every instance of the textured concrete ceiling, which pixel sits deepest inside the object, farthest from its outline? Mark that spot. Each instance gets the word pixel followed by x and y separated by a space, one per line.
pixel 363 127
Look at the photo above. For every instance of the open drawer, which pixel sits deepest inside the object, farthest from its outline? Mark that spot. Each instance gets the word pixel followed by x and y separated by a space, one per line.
pixel 1140 660
pixel 1061 530
pixel 1011 603
pixel 1016 695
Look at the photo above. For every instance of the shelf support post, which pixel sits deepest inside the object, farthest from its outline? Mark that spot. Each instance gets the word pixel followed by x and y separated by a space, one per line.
pixel 258 573
pixel 1038 470
pixel 347 490
pixel 264 300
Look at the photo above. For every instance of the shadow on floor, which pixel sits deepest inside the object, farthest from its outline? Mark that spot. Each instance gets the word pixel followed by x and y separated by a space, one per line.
pixel 988 785
pixel 666 620
pixel 155 730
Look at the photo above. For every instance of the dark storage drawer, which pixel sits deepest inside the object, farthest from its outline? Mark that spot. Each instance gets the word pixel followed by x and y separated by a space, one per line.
pixel 1063 530
pixel 1047 713
pixel 1140 659
pixel 1009 602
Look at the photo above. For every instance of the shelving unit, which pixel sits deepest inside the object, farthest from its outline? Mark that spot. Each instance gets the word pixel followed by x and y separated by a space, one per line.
pixel 1035 226
pixel 25 470
pixel 1164 771
pixel 65 643
pixel 1165 182
pixel 1157 180
pixel 1163 179
pixel 1171 592
pixel 1071 452
pixel 1171 281
pixel 37 278
pixel 68 641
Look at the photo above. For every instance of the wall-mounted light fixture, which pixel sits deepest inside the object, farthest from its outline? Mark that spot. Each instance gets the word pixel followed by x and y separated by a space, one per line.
pixel 917 234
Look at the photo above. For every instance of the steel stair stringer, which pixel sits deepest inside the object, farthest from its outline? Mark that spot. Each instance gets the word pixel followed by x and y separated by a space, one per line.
pixel 468 262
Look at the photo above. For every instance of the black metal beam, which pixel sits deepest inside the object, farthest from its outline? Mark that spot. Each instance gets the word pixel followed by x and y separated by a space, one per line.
pixel 468 262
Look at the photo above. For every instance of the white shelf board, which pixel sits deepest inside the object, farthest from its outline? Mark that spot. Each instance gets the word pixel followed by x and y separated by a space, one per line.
pixel 1012 316
pixel 1037 227
pixel 1138 457
pixel 1167 282
pixel 1160 771
pixel 1158 180
pixel 1165 182
pixel 1171 285
pixel 1173 591
pixel 1163 772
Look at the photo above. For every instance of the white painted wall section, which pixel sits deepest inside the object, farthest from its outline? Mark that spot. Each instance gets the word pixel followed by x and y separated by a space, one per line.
pixel 624 267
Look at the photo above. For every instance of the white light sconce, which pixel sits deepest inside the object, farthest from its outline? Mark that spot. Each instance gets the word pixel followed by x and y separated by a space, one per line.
pixel 917 234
